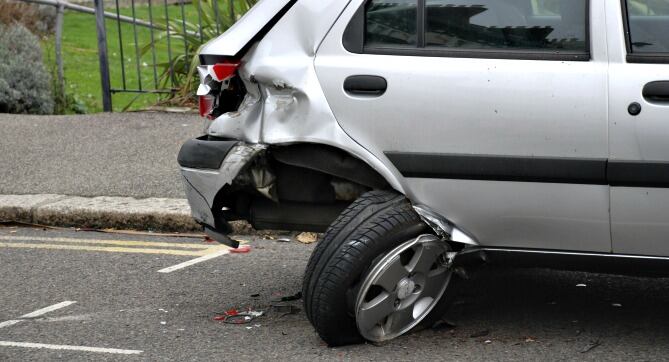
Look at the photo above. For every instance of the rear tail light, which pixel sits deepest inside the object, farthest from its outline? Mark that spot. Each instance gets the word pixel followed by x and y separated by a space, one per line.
pixel 210 88
pixel 223 71
pixel 206 105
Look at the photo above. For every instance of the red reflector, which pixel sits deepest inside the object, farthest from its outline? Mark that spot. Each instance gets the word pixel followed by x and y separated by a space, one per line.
pixel 223 71
pixel 206 105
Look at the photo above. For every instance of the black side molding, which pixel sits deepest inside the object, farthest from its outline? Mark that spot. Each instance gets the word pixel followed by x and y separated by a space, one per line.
pixel 201 153
pixel 500 168
pixel 616 173
pixel 638 174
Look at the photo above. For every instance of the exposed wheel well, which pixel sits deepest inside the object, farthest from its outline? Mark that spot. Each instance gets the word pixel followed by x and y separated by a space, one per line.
pixel 301 187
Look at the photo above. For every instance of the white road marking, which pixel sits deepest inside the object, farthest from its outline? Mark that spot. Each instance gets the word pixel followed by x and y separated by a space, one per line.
pixel 10 323
pixel 48 309
pixel 195 261
pixel 69 348
pixel 37 313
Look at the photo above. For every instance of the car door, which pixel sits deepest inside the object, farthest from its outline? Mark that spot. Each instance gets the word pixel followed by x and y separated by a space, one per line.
pixel 639 128
pixel 494 111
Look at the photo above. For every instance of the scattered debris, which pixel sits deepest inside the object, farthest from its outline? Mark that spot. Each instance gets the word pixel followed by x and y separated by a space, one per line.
pixel 443 325
pixel 530 340
pixel 480 334
pixel 255 295
pixel 162 310
pixel 591 346
pixel 233 316
pixel 284 239
pixel 487 341
pixel 241 250
pixel 285 309
pixel 289 298
pixel 163 322
pixel 616 305
pixel 581 285
pixel 307 237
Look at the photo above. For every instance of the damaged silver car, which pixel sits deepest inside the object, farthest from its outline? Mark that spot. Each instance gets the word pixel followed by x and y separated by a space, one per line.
pixel 426 136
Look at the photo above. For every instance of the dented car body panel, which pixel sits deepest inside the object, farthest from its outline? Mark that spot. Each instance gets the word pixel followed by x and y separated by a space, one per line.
pixel 509 152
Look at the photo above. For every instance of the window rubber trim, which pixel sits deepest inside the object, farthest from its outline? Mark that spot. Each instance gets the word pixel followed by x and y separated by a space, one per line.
pixel 638 58
pixel 354 42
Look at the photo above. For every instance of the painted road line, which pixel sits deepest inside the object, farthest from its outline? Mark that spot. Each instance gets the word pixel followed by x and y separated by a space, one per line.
pixel 106 249
pixel 48 309
pixel 37 313
pixel 10 323
pixel 223 251
pixel 68 348
pixel 106 241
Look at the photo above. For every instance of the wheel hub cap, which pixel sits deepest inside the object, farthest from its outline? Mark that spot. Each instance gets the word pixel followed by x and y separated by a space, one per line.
pixel 402 288
pixel 405 287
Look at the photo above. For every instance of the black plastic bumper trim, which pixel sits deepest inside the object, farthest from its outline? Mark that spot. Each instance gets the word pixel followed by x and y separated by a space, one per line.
pixel 201 153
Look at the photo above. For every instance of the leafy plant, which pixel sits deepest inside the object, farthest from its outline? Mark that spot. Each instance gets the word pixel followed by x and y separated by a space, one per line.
pixel 181 70
pixel 24 81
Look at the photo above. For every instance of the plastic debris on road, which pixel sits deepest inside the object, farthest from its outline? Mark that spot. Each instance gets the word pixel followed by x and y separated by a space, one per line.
pixel 243 249
pixel 233 316
pixel 285 309
pixel 289 298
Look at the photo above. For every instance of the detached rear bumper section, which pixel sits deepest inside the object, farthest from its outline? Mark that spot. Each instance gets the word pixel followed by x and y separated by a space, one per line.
pixel 206 166
pixel 299 187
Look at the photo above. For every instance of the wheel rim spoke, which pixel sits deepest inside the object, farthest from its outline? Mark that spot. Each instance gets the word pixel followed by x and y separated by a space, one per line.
pixel 435 281
pixel 392 275
pixel 395 307
pixel 399 320
pixel 422 260
pixel 376 310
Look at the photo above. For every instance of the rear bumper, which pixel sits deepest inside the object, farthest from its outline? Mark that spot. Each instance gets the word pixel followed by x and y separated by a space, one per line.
pixel 207 166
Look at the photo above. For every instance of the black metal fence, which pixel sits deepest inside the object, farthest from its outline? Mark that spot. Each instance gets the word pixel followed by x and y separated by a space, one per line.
pixel 163 35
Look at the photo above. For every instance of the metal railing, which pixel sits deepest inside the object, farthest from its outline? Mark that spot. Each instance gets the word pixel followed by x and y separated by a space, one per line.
pixel 137 66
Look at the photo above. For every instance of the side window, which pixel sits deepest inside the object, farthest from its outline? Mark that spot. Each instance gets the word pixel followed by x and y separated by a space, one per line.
pixel 391 22
pixel 504 29
pixel 537 25
pixel 648 22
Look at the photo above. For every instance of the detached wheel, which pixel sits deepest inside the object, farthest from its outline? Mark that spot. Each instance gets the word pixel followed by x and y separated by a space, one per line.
pixel 378 273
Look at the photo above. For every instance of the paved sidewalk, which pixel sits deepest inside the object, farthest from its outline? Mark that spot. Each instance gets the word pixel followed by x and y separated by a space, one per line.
pixel 117 154
pixel 102 170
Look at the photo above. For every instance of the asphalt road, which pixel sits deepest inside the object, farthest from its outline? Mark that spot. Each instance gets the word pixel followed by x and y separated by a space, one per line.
pixel 119 154
pixel 123 302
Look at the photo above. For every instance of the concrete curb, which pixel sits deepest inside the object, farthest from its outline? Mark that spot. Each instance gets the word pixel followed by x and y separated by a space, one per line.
pixel 104 212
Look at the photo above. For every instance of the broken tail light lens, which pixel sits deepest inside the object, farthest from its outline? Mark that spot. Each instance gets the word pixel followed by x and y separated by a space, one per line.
pixel 206 104
pixel 223 71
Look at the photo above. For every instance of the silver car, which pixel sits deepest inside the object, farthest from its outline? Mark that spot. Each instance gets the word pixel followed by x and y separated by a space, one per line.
pixel 426 136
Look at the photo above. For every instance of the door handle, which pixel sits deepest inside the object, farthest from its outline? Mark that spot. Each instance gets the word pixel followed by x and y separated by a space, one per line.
pixel 657 91
pixel 365 85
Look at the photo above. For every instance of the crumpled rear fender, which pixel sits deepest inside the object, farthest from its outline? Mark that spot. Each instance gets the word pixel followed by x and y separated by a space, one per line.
pixel 285 103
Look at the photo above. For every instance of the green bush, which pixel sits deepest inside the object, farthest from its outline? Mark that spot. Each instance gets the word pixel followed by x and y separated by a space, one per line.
pixel 25 85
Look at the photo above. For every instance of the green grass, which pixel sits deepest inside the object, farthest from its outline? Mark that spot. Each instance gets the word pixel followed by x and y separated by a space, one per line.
pixel 80 56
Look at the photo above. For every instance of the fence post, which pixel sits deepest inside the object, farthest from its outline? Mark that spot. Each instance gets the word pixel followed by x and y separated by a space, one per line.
pixel 102 55
pixel 59 52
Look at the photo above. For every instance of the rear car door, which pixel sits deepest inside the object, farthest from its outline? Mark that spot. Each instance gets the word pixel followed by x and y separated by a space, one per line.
pixel 639 129
pixel 494 111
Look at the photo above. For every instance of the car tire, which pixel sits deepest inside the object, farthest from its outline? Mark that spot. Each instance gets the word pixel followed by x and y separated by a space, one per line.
pixel 372 226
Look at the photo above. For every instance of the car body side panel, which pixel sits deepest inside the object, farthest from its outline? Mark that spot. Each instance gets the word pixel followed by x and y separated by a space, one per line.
pixel 285 101
pixel 243 31
pixel 639 215
pixel 503 107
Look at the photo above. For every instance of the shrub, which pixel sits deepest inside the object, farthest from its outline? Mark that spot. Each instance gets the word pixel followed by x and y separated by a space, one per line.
pixel 39 19
pixel 24 81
